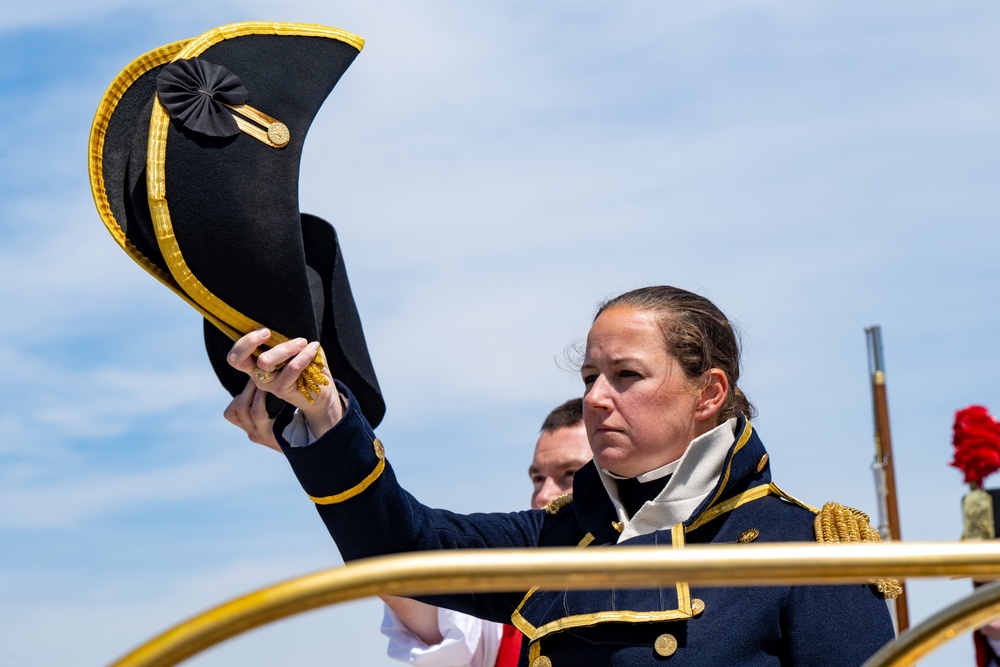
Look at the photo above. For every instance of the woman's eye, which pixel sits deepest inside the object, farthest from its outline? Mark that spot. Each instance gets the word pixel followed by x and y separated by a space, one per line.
pixel 590 379
pixel 627 374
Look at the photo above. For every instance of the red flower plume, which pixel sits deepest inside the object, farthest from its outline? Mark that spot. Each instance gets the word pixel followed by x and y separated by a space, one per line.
pixel 977 444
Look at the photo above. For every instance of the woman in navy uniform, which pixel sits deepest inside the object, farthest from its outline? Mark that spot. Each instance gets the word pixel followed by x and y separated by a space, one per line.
pixel 676 461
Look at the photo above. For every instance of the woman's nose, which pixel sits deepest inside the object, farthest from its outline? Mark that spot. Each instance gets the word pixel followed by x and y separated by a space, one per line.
pixel 597 396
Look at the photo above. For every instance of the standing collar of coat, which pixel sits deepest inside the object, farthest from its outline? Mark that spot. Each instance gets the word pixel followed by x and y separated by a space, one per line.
pixel 697 474
pixel 715 466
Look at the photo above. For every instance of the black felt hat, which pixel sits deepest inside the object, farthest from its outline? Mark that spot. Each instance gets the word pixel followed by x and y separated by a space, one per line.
pixel 194 165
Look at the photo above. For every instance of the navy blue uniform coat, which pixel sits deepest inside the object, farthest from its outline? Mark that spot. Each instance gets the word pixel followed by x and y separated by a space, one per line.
pixel 369 514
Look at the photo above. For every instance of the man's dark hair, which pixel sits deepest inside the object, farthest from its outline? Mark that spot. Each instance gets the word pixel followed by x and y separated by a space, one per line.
pixel 569 413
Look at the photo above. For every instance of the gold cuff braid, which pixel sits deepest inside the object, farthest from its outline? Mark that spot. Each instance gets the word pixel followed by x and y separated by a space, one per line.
pixel 362 485
pixel 839 523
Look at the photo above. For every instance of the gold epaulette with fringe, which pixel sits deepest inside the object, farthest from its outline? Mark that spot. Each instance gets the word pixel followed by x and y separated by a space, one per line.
pixel 557 503
pixel 839 523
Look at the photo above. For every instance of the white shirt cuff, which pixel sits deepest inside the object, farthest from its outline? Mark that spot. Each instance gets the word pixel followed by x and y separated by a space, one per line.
pixel 468 641
pixel 297 433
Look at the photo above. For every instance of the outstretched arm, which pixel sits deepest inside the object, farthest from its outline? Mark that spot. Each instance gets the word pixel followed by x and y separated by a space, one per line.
pixel 343 469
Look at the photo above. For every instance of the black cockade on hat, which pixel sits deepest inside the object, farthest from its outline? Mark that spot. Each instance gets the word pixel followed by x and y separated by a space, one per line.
pixel 194 93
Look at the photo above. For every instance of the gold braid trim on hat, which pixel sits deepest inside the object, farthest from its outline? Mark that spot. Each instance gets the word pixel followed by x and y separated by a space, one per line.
pixel 226 317
pixel 557 503
pixel 839 523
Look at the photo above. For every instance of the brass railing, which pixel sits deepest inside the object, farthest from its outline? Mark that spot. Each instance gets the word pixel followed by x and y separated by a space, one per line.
pixel 514 570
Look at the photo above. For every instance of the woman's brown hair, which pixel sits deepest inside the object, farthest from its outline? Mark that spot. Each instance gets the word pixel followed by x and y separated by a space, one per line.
pixel 697 334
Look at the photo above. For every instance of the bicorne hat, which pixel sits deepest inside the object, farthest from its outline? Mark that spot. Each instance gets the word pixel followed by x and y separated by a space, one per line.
pixel 194 166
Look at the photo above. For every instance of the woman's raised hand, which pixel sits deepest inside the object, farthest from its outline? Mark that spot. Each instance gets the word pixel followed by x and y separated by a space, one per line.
pixel 295 372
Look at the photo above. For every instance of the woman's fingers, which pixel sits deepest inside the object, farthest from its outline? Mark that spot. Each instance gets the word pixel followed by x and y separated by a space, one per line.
pixel 282 371
pixel 265 368
pixel 278 356
pixel 248 411
pixel 262 422
pixel 238 409
pixel 241 356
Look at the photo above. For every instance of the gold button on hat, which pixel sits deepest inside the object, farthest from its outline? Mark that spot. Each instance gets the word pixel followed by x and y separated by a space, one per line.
pixel 665 645
pixel 541 661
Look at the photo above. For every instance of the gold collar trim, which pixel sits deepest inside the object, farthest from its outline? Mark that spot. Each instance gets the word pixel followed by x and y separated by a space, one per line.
pixel 740 442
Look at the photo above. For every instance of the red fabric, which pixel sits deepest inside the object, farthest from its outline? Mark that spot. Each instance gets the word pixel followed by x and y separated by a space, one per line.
pixel 510 647
pixel 983 651
pixel 977 444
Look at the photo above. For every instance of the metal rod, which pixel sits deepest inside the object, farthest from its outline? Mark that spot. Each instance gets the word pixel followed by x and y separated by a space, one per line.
pixel 883 455
pixel 494 570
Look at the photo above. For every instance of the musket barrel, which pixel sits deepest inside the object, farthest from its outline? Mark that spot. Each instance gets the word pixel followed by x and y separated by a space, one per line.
pixel 883 455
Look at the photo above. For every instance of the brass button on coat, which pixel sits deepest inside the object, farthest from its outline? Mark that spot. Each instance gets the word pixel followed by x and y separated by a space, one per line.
pixel 541 661
pixel 665 645
pixel 697 606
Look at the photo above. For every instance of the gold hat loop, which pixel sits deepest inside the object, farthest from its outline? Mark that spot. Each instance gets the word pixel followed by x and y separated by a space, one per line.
pixel 274 133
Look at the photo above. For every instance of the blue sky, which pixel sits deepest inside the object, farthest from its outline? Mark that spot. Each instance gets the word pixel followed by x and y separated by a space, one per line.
pixel 494 171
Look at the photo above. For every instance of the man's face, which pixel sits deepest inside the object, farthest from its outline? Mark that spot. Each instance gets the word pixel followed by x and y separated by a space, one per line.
pixel 558 455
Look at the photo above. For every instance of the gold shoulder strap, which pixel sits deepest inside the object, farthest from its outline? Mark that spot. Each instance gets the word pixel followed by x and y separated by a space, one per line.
pixel 839 523
pixel 557 503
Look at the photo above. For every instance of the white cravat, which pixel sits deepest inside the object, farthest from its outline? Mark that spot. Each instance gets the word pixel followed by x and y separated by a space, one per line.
pixel 694 475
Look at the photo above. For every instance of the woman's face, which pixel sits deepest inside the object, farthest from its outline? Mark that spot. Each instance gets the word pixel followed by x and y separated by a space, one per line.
pixel 639 408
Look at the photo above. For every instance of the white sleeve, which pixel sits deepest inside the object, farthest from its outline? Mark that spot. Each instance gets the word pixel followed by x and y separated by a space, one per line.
pixel 297 433
pixel 468 641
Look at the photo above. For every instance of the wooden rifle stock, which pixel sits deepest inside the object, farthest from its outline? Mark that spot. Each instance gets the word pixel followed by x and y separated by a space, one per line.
pixel 883 465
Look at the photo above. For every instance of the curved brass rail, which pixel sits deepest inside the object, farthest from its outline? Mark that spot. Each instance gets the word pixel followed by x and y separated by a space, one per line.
pixel 495 570
pixel 963 616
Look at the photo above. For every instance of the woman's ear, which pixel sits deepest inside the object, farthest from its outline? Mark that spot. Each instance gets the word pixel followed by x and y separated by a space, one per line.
pixel 713 394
